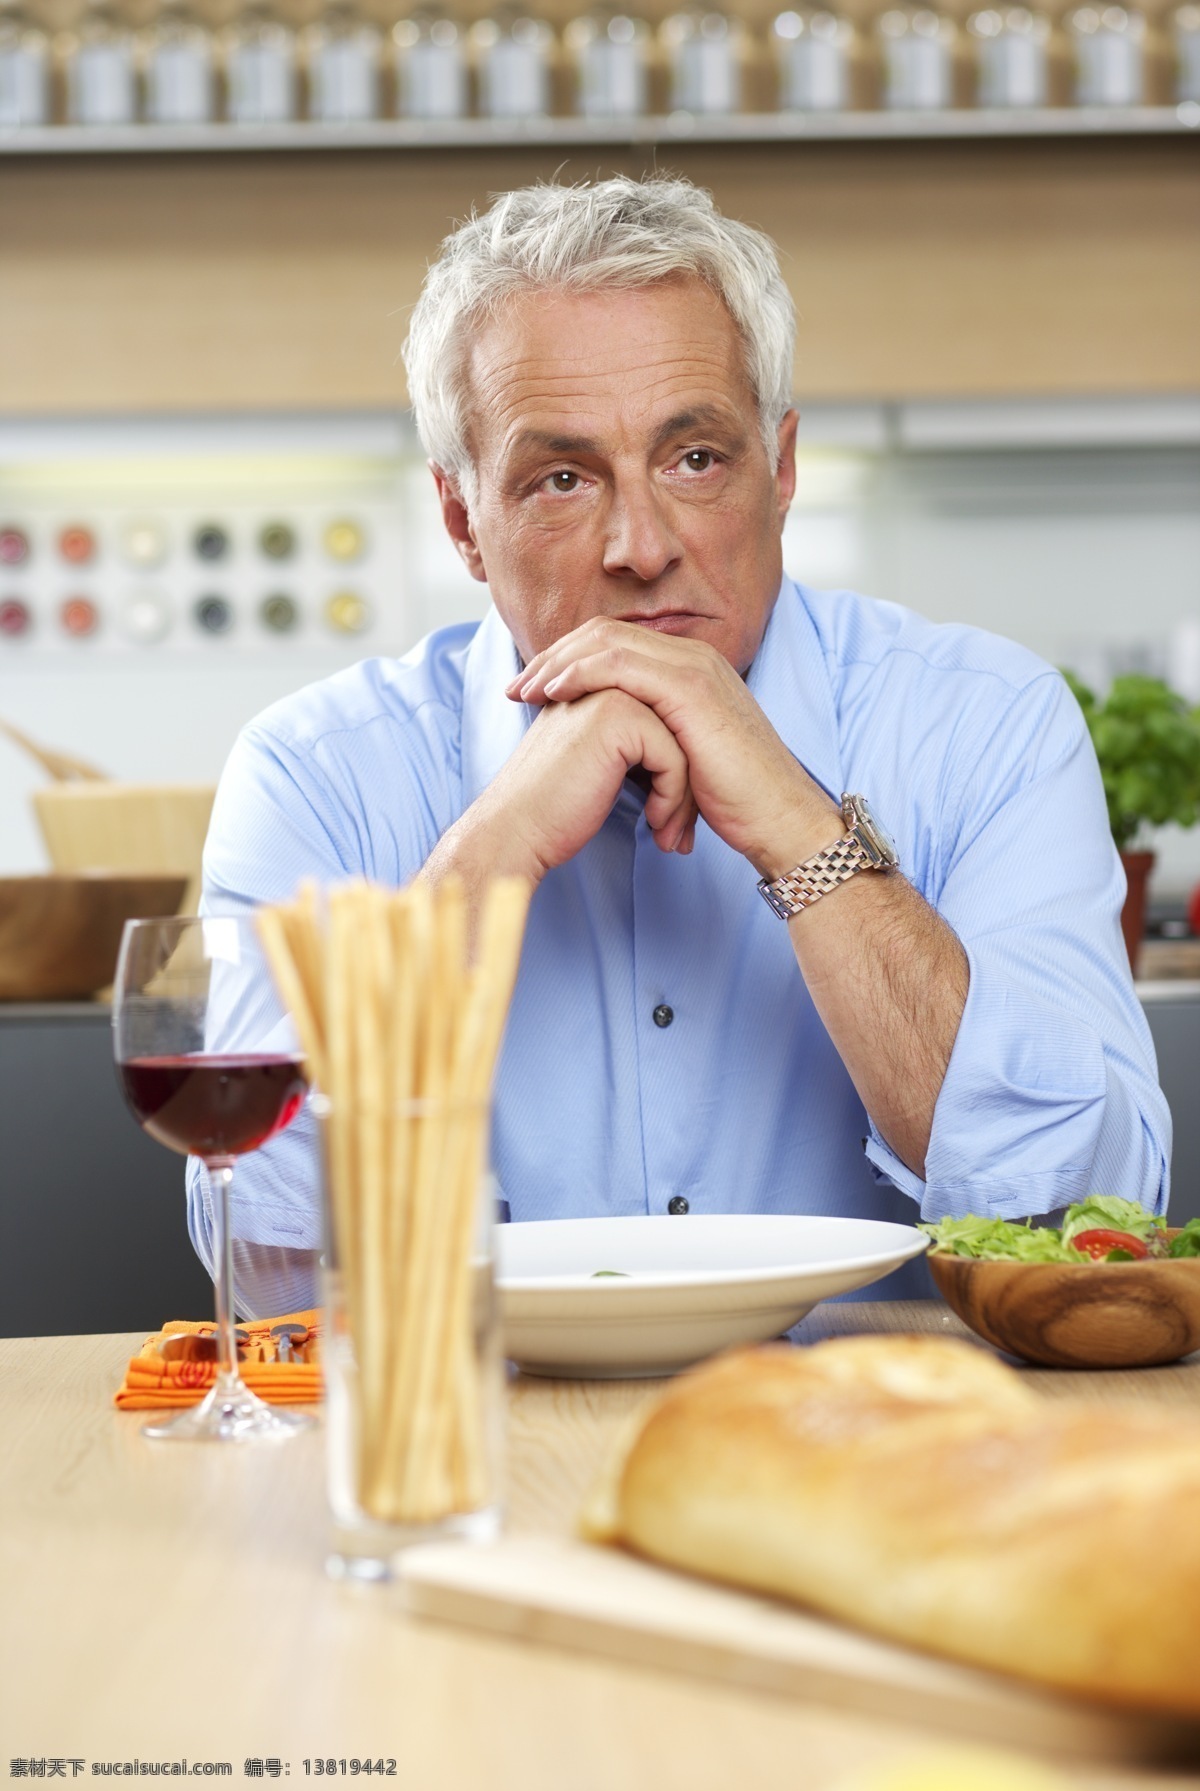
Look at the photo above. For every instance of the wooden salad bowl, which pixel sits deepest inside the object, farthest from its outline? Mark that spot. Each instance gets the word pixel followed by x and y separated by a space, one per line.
pixel 59 934
pixel 1077 1315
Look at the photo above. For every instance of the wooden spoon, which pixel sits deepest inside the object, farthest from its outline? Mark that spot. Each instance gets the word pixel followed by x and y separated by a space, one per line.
pixel 60 765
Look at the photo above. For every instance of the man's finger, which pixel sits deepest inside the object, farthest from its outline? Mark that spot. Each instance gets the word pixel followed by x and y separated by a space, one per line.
pixel 582 643
pixel 640 675
pixel 670 805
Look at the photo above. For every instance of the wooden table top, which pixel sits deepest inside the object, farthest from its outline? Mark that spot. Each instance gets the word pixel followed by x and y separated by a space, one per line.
pixel 162 1602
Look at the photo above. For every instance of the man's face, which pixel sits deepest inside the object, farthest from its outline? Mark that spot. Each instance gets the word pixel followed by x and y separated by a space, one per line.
pixel 621 470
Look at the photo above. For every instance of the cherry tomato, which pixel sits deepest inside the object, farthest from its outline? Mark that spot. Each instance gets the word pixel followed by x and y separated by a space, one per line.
pixel 1098 1243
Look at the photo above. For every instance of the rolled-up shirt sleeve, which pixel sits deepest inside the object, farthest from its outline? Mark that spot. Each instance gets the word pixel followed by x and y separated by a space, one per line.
pixel 1051 1091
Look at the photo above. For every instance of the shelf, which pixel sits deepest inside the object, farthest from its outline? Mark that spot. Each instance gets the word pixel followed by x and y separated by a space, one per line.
pixel 676 127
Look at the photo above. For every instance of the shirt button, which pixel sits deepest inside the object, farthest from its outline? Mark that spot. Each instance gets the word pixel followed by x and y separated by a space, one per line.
pixel 677 1205
pixel 663 1015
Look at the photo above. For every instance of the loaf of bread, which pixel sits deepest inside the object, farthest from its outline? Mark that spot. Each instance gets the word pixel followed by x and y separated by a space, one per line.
pixel 918 1488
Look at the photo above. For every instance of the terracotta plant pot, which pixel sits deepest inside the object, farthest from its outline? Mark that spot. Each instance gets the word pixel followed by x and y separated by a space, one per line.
pixel 1138 866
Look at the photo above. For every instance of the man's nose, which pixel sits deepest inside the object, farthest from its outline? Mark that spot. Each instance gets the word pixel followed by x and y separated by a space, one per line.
pixel 639 537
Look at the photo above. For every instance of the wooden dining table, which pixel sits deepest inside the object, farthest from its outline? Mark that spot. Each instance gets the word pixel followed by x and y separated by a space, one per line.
pixel 168 1602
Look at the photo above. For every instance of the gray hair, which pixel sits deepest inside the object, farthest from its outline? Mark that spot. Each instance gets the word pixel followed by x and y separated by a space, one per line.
pixel 617 233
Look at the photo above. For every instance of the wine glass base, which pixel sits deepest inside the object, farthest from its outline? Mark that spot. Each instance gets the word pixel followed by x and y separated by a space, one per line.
pixel 230 1414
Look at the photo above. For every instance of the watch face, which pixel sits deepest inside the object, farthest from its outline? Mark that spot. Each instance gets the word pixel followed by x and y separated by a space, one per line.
pixel 876 839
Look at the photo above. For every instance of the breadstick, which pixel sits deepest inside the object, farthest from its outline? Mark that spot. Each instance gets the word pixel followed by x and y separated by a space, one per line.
pixel 426 1484
pixel 279 950
pixel 458 1395
pixel 402 1036
pixel 372 948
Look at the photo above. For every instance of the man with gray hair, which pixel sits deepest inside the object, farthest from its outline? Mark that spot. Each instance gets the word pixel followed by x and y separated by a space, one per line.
pixel 659 729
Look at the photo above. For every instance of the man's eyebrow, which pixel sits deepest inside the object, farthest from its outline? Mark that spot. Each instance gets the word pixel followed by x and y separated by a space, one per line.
pixel 698 416
pixel 540 442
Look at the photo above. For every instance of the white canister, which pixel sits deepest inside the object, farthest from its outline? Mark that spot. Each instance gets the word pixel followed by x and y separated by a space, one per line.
pixel 431 68
pixel 610 51
pixel 702 49
pixel 1185 24
pixel 918 67
pixel 1108 45
pixel 100 71
pixel 179 86
pixel 343 67
pixel 178 60
pixel 813 52
pixel 514 66
pixel 344 84
pixel 24 71
pixel 1011 53
pixel 261 67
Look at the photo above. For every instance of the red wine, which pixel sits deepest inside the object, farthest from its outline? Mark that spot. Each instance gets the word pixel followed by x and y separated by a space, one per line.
pixel 214 1107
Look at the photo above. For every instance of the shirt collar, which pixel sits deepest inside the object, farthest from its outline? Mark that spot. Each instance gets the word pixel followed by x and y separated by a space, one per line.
pixel 788 679
pixel 790 682
pixel 493 725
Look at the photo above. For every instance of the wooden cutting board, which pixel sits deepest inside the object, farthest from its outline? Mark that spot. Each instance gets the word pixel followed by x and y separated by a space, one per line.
pixel 568 1594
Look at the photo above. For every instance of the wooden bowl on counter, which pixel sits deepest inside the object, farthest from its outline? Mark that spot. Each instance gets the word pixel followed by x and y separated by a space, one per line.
pixel 139 829
pixel 59 935
pixel 1077 1315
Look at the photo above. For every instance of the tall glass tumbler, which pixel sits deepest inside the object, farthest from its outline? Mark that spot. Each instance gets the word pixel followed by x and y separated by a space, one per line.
pixel 412 1360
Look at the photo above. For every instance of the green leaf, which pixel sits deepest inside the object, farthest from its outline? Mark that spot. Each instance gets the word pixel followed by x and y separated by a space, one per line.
pixel 1188 1241
pixel 1147 742
pixel 999 1240
pixel 1110 1212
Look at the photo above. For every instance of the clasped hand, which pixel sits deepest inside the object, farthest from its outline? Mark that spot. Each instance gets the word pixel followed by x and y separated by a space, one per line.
pixel 616 695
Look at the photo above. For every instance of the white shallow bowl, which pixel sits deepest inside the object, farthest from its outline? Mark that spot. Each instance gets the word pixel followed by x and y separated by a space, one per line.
pixel 694 1284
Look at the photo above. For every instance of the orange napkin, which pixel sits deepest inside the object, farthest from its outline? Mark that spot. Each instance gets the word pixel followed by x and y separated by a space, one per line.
pixel 152 1381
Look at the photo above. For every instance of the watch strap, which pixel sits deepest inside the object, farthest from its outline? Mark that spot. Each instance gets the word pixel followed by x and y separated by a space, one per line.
pixel 866 847
pixel 808 882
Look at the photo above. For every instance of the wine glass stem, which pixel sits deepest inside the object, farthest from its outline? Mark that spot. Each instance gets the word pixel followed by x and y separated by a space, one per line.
pixel 227 1362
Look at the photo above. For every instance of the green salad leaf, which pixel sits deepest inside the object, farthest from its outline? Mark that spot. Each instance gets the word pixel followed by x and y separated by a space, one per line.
pixel 1188 1241
pixel 1012 1240
pixel 1109 1212
pixel 999 1240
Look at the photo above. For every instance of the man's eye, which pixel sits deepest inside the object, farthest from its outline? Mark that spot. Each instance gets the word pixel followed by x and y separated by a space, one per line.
pixel 563 480
pixel 698 460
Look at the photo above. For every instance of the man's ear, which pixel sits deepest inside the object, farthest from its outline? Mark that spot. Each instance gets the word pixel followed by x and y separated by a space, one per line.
pixel 458 522
pixel 785 469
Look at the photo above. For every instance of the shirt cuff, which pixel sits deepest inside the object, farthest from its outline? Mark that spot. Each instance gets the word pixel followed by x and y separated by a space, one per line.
pixel 986 1198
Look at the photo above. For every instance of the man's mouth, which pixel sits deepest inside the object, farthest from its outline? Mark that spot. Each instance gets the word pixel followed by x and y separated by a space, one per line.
pixel 664 621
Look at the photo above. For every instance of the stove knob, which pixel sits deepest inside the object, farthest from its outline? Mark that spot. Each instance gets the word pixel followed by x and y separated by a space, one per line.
pixel 344 540
pixel 280 613
pixel 16 618
pixel 213 614
pixel 14 546
pixel 146 617
pixel 77 545
pixel 277 540
pixel 144 543
pixel 348 613
pixel 210 542
pixel 79 617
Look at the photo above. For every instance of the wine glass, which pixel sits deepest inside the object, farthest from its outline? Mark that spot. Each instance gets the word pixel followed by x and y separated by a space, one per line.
pixel 207 1066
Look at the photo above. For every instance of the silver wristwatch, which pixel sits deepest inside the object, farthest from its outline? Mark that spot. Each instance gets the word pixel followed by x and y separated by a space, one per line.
pixel 866 847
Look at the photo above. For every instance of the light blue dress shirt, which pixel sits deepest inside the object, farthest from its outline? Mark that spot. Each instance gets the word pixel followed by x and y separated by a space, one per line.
pixel 973 754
